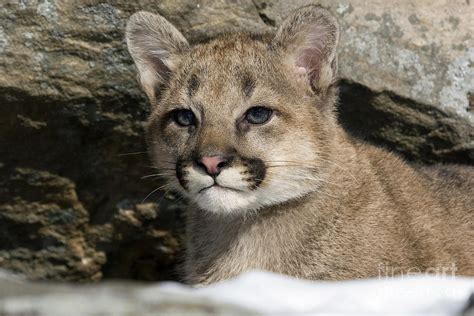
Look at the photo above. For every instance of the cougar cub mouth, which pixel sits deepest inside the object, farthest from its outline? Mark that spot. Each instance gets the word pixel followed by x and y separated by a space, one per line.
pixel 220 181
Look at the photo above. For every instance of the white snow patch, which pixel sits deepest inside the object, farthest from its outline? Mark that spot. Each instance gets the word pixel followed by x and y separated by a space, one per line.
pixel 271 294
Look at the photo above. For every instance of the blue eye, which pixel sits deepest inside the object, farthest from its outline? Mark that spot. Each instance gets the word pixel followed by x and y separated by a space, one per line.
pixel 258 115
pixel 184 117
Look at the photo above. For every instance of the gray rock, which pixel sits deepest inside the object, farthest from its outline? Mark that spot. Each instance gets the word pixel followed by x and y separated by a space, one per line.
pixel 72 114
pixel 407 75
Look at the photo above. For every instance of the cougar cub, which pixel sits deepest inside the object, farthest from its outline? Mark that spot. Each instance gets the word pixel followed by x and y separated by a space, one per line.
pixel 244 126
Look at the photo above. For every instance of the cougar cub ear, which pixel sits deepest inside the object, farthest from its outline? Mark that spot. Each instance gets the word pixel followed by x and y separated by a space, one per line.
pixel 155 45
pixel 308 38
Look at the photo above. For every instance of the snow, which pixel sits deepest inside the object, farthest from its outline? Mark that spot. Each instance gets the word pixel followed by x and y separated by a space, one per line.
pixel 270 294
pixel 253 293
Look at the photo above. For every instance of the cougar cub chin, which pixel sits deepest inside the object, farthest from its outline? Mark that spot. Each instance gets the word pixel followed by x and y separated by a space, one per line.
pixel 245 127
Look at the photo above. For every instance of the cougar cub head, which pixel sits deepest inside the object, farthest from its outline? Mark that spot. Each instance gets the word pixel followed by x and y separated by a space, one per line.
pixel 240 122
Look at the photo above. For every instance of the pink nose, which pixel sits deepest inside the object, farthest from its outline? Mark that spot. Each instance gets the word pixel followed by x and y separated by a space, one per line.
pixel 213 164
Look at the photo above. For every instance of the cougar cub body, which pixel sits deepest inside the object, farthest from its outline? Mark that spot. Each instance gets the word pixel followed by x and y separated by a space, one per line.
pixel 244 126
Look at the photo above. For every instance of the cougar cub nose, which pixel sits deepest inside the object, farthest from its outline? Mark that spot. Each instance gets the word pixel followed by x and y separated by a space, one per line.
pixel 212 164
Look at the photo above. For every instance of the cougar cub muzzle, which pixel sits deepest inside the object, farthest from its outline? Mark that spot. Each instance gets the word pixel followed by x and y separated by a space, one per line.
pixel 221 170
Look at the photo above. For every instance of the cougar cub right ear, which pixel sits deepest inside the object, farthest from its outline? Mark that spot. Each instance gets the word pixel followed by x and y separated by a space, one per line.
pixel 308 38
pixel 155 46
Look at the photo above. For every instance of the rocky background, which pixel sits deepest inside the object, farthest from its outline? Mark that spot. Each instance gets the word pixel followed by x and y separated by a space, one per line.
pixel 72 153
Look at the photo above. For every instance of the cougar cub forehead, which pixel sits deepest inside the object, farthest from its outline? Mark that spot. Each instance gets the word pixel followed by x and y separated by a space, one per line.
pixel 237 123
pixel 228 75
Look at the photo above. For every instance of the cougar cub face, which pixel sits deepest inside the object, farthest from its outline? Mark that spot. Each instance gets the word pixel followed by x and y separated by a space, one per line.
pixel 239 123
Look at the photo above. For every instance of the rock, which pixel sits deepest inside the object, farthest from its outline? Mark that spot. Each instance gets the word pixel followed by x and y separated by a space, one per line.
pixel 46 233
pixel 42 228
pixel 146 243
pixel 407 74
pixel 71 110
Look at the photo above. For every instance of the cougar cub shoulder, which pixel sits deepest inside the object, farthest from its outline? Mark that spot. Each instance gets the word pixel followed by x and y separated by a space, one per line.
pixel 244 126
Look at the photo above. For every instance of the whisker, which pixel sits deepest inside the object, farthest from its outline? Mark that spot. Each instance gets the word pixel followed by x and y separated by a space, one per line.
pixel 303 166
pixel 133 153
pixel 159 168
pixel 156 175
pixel 285 186
pixel 311 165
pixel 155 190
pixel 164 195
pixel 302 178
pixel 167 161
pixel 179 198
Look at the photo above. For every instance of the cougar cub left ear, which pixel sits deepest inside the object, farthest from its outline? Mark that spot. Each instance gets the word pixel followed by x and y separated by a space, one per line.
pixel 155 45
pixel 308 38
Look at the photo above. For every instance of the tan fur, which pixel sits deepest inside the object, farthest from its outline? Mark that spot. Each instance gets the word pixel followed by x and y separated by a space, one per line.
pixel 342 208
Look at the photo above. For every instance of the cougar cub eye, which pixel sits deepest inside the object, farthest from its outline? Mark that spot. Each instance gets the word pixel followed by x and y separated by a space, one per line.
pixel 258 115
pixel 184 117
